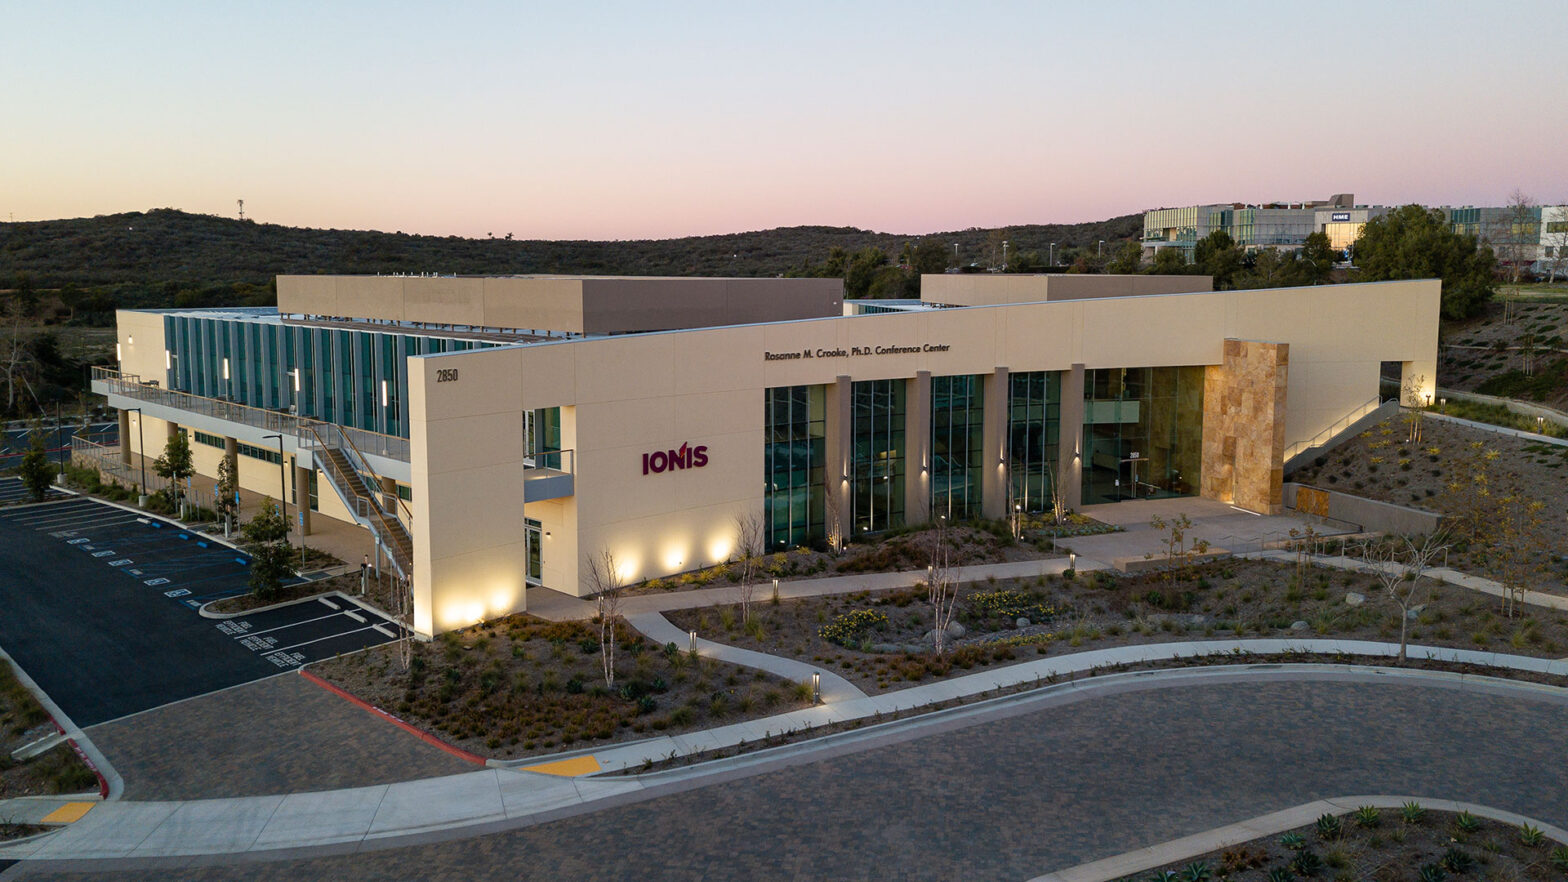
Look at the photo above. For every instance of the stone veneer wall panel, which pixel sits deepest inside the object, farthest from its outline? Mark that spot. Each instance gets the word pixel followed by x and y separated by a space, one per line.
pixel 1244 426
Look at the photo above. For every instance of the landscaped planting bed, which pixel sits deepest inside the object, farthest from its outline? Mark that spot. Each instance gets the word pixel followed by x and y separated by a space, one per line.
pixel 970 543
pixel 1439 472
pixel 1382 845
pixel 880 641
pixel 520 686
pixel 59 770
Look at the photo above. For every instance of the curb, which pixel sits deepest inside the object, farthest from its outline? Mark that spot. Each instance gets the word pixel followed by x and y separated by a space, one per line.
pixel 407 727
pixel 1191 847
pixel 110 786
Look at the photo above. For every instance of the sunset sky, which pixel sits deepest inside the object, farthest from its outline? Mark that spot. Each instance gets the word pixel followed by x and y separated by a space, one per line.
pixel 616 121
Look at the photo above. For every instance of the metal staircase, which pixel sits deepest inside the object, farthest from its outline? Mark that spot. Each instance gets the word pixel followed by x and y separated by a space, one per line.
pixel 355 483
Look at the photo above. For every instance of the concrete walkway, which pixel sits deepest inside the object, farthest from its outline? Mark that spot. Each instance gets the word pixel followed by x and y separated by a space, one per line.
pixel 660 630
pixel 1189 848
pixel 500 798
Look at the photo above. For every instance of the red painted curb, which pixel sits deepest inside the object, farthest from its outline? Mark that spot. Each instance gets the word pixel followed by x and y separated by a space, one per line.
pixel 408 727
pixel 103 783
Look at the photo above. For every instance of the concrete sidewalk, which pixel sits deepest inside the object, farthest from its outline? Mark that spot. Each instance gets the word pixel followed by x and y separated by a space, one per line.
pixel 500 798
pixel 659 629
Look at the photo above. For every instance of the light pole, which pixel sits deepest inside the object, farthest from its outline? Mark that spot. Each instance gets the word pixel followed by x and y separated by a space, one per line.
pixel 1052 258
pixel 1100 250
pixel 141 450
pixel 283 486
pixel 1004 255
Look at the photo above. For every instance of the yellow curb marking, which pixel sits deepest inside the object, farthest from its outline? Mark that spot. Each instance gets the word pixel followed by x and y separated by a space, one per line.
pixel 69 813
pixel 567 768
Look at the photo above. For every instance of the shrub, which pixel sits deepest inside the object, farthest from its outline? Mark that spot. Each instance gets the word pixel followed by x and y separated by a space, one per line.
pixel 1329 827
pixel 1367 816
pixel 849 629
pixel 1412 812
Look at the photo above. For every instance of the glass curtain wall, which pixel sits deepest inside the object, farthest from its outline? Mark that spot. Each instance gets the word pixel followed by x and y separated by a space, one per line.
pixel 957 410
pixel 352 378
pixel 542 437
pixel 877 465
pixel 1034 418
pixel 793 505
pixel 1142 433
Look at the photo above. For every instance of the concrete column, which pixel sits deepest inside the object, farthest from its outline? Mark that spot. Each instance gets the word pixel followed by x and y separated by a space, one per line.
pixel 231 452
pixel 917 442
pixel 170 430
pixel 838 444
pixel 993 459
pixel 1069 469
pixel 125 436
pixel 302 491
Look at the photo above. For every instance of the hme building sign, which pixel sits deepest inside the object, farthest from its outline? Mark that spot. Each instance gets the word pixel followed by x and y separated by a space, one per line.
pixel 854 351
pixel 687 457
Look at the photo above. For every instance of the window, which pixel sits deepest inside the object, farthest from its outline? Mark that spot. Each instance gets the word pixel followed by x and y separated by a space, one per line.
pixel 1034 413
pixel 792 460
pixel 1142 433
pixel 877 463
pixel 956 447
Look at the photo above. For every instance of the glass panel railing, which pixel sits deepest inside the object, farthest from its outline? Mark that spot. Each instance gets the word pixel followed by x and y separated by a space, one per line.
pixel 132 386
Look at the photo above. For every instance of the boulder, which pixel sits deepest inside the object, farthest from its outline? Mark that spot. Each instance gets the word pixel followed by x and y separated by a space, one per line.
pixel 1414 612
pixel 955 630
pixel 1299 626
pixel 1354 599
pixel 1021 623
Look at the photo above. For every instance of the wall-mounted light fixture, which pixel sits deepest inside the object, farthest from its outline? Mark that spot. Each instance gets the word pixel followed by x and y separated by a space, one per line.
pixel 168 360
pixel 225 368
pixel 383 393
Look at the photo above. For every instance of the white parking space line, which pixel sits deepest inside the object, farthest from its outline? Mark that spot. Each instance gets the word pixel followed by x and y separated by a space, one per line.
pixel 292 624
pixel 80 517
pixel 328 637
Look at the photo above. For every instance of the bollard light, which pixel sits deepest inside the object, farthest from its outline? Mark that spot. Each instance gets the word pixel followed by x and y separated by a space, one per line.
pixel 1072 560
pixel 693 636
pixel 816 687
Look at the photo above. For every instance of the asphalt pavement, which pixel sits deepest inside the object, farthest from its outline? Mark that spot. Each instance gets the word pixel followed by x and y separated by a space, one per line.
pixel 101 609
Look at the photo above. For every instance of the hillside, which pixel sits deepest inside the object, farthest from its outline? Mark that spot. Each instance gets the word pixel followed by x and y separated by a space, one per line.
pixel 168 247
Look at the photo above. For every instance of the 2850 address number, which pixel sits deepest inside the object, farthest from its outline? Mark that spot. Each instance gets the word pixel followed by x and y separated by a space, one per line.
pixel 446 375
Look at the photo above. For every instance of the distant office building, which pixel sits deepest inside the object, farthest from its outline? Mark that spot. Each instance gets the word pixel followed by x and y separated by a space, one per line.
pixel 1279 225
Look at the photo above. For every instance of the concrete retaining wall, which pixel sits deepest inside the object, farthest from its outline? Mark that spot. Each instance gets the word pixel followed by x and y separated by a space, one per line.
pixel 1381 517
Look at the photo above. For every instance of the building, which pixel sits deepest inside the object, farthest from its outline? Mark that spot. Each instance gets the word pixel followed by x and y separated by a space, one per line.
pixel 494 433
pixel 1279 225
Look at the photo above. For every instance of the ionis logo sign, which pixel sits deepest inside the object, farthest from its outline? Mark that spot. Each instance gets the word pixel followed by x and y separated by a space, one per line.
pixel 687 457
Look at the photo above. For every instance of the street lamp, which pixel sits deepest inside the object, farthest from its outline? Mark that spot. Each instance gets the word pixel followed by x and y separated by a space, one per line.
pixel 1100 251
pixel 1052 258
pixel 141 449
pixel 1004 255
pixel 283 486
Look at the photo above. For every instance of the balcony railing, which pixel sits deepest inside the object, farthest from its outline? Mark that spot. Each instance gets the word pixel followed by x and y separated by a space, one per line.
pixel 131 386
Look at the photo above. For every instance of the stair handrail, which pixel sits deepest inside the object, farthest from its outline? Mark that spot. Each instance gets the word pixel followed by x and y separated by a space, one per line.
pixel 1336 427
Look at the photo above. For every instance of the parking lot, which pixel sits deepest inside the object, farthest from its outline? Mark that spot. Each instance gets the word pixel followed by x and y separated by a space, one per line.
pixel 100 607
pixel 13 490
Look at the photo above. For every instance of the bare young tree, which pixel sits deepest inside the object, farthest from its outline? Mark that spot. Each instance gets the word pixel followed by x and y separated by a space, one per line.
pixel 1398 565
pixel 748 547
pixel 605 581
pixel 941 586
pixel 1178 554
pixel 1410 396
pixel 1517 552
pixel 1058 497
pixel 833 525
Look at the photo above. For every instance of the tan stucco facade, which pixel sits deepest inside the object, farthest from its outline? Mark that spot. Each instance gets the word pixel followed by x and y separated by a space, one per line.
pixel 979 289
pixel 624 397
pixel 572 305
